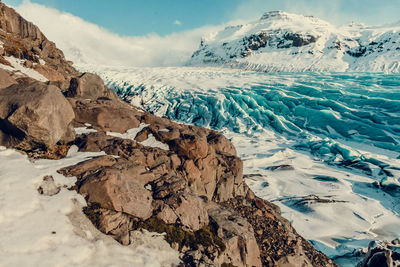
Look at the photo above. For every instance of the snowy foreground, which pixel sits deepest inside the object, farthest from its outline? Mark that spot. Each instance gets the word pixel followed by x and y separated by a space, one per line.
pixel 324 147
pixel 40 230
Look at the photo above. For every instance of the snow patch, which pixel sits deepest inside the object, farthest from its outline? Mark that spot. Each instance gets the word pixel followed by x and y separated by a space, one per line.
pixel 151 141
pixel 131 134
pixel 84 130
pixel 18 66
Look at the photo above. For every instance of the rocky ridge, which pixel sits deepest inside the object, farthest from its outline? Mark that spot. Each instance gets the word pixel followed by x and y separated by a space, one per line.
pixel 156 174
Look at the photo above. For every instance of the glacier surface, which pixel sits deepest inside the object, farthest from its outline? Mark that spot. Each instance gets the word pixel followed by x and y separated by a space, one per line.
pixel 324 147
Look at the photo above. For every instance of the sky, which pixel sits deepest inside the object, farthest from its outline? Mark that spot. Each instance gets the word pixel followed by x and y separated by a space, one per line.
pixel 139 33
pixel 139 17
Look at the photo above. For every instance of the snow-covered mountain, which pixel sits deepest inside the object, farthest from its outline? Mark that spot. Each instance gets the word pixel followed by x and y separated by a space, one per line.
pixel 281 41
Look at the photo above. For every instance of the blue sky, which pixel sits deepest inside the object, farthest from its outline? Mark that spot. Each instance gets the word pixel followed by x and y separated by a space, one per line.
pixel 141 17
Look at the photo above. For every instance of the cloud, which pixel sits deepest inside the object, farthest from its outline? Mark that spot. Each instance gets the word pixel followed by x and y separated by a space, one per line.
pixel 87 43
pixel 178 22
pixel 339 12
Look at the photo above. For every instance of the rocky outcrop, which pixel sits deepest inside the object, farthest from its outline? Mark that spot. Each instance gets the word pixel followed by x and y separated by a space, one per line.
pixel 194 192
pixel 23 40
pixel 34 115
pixel 386 254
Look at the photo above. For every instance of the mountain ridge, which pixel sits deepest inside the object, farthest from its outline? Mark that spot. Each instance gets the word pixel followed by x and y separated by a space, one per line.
pixel 285 42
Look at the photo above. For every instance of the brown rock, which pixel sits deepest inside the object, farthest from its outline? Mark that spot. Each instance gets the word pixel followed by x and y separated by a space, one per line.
pixel 89 86
pixel 24 40
pixel 167 215
pixel 106 115
pixel 88 166
pixel 115 190
pixel 5 79
pixel 238 235
pixel 191 211
pixel 294 261
pixel 36 113
pixel 221 144
pixel 191 146
pixel 115 224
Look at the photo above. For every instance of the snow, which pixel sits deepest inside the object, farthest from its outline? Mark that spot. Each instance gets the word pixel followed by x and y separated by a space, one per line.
pixel 40 230
pixel 337 134
pixel 151 141
pixel 331 50
pixel 17 65
pixel 131 134
pixel 84 130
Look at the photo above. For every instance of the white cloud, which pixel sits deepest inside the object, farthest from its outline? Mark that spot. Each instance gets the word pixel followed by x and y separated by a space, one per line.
pixel 339 12
pixel 178 22
pixel 87 43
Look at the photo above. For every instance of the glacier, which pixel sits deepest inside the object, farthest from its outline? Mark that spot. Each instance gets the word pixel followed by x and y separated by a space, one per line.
pixel 324 147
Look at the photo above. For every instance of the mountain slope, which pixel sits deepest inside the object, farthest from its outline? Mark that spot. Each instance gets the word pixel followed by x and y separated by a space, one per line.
pixel 25 50
pixel 281 41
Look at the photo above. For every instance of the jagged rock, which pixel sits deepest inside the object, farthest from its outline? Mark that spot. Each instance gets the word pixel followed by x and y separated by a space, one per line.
pixel 89 86
pixel 6 79
pixel 36 114
pixel 382 255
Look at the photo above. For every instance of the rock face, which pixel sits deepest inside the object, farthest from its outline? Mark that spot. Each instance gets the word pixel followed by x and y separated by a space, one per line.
pixel 33 115
pixel 23 40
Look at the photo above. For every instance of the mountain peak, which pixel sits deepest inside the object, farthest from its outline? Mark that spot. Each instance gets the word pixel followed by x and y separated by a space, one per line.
pixel 277 14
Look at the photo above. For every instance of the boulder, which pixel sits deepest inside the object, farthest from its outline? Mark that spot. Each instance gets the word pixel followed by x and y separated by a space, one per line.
pixel 89 86
pixel 35 114
pixel 105 115
pixel 114 189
